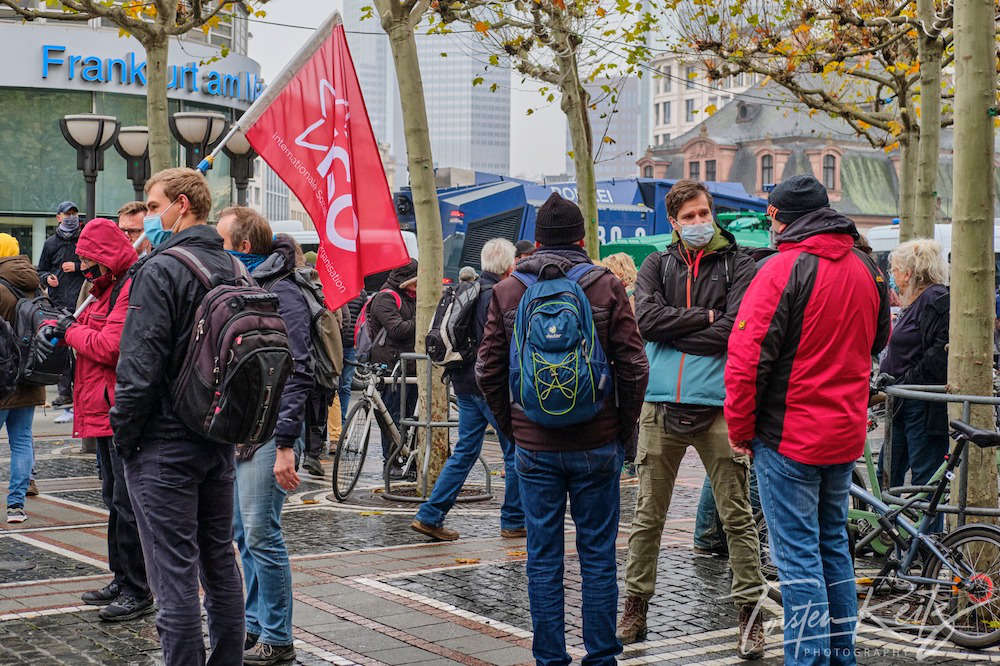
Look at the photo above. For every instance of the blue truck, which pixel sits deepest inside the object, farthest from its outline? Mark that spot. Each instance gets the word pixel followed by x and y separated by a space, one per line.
pixel 495 206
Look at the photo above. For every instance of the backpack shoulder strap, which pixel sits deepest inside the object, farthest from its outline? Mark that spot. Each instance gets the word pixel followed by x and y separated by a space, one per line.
pixel 12 289
pixel 115 291
pixel 193 264
pixel 585 274
pixel 527 279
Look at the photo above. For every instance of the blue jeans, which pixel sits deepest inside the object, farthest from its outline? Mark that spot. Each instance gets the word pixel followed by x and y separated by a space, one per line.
pixel 590 478
pixel 708 531
pixel 257 531
pixel 473 417
pixel 912 448
pixel 346 377
pixel 806 511
pixel 22 453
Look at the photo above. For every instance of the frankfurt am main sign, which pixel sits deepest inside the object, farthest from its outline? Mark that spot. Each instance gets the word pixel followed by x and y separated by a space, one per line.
pixel 94 59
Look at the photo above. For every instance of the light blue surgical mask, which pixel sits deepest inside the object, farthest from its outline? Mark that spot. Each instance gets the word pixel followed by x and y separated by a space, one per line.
pixel 697 235
pixel 152 225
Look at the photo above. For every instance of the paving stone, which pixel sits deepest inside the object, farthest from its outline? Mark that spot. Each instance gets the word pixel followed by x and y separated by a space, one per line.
pixel 403 655
pixel 48 565
pixel 474 644
pixel 408 620
pixel 441 631
pixel 507 657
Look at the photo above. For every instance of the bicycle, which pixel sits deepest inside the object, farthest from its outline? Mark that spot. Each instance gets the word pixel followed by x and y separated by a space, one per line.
pixel 352 447
pixel 961 584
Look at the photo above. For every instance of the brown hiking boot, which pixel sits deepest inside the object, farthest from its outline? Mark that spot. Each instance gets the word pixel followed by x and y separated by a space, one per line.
pixel 750 643
pixel 514 533
pixel 632 627
pixel 440 533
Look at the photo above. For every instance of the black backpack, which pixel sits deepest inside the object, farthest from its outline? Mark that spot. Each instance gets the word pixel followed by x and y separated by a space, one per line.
pixel 323 328
pixel 237 360
pixel 40 366
pixel 10 360
pixel 451 340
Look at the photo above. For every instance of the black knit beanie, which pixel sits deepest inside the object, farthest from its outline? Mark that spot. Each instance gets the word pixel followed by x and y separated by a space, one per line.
pixel 559 222
pixel 795 197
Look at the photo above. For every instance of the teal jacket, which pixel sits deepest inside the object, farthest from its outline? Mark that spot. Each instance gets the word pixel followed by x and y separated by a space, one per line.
pixel 676 289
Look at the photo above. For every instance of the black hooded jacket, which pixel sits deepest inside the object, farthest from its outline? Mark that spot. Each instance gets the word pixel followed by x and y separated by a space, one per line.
pixel 399 322
pixel 274 275
pixel 162 304
pixel 56 251
pixel 463 380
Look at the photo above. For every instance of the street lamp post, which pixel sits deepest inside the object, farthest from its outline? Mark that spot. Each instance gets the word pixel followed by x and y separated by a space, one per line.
pixel 198 132
pixel 133 145
pixel 90 135
pixel 241 158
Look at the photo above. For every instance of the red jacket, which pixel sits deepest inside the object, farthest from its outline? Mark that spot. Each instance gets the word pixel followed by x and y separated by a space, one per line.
pixel 96 335
pixel 800 354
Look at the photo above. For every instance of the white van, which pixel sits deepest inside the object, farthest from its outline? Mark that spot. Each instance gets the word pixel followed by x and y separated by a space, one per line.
pixel 307 237
pixel 884 239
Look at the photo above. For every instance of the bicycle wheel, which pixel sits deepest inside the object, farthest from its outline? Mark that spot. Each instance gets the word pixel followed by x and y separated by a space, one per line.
pixel 973 613
pixel 351 449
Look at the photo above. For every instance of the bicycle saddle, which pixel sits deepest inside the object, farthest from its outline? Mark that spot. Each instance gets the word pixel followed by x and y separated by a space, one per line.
pixel 982 438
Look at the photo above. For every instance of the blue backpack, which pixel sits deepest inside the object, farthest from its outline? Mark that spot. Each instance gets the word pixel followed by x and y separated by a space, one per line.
pixel 559 374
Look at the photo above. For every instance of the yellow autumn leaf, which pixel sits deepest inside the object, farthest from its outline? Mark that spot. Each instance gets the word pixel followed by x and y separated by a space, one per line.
pixel 803 27
pixel 310 501
pixel 601 12
pixel 914 69
pixel 482 26
pixel 710 109
pixel 467 560
pixel 371 513
pixel 517 553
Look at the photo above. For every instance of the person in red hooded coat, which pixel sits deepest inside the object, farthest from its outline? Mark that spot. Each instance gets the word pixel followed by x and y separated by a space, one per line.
pixel 106 255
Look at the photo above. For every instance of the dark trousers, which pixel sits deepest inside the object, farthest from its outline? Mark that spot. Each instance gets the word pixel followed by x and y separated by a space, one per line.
pixel 183 495
pixel 317 407
pixel 66 380
pixel 124 549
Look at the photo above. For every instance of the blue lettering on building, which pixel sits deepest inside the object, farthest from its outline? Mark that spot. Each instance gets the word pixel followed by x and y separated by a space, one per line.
pixel 246 86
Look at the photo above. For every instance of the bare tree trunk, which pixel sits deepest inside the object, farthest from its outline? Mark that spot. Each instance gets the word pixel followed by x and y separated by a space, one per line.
pixel 970 351
pixel 425 205
pixel 925 197
pixel 908 147
pixel 156 103
pixel 574 106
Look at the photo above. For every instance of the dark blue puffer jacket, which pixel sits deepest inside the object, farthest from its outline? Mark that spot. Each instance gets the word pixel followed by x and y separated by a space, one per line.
pixel 274 275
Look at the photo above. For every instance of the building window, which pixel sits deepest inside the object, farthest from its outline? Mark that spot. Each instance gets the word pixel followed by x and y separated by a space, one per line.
pixel 830 172
pixel 689 110
pixel 710 170
pixel 689 76
pixel 713 101
pixel 694 170
pixel 659 119
pixel 647 172
pixel 666 113
pixel 665 83
pixel 766 170
pixel 666 139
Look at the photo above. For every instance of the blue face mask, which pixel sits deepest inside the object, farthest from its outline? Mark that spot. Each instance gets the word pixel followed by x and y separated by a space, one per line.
pixel 152 225
pixel 697 235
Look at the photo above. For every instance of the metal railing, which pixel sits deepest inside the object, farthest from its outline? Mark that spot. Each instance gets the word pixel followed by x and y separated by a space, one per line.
pixel 935 393
pixel 425 373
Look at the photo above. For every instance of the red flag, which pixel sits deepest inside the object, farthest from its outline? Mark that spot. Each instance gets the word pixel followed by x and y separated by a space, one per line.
pixel 317 137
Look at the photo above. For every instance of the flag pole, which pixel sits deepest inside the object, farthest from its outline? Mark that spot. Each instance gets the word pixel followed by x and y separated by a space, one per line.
pixel 271 92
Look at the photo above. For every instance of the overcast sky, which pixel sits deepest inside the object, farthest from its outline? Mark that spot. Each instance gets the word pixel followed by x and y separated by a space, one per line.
pixel 537 142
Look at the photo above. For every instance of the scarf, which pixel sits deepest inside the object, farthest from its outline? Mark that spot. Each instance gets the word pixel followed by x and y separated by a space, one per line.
pixel 251 261
pixel 68 226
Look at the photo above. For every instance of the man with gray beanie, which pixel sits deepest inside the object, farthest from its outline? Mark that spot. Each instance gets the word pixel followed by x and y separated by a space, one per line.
pixel 796 400
pixel 582 459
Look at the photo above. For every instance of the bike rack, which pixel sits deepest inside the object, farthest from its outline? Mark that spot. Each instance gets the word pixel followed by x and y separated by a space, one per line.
pixel 936 393
pixel 428 424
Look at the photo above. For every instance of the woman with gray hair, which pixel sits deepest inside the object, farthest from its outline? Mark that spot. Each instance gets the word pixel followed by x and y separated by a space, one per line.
pixel 917 354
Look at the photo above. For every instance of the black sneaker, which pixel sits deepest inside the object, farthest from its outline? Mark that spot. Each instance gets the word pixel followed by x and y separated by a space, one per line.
pixel 250 641
pixel 103 596
pixel 263 654
pixel 126 607
pixel 312 465
pixel 62 401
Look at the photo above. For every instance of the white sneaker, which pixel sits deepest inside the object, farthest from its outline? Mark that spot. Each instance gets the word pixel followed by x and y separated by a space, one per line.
pixel 65 417
pixel 16 514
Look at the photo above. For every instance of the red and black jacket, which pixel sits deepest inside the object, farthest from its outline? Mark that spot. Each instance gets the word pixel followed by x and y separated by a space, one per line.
pixel 800 352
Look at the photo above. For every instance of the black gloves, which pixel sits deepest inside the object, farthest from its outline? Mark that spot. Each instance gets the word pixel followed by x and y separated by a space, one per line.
pixel 884 379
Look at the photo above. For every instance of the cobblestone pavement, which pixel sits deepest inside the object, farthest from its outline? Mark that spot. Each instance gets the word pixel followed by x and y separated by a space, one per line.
pixel 368 590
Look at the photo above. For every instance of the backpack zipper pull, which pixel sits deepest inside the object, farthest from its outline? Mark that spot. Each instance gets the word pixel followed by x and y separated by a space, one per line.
pixel 201 329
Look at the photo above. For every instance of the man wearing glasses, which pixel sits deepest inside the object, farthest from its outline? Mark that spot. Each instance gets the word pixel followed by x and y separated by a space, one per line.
pixel 130 222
